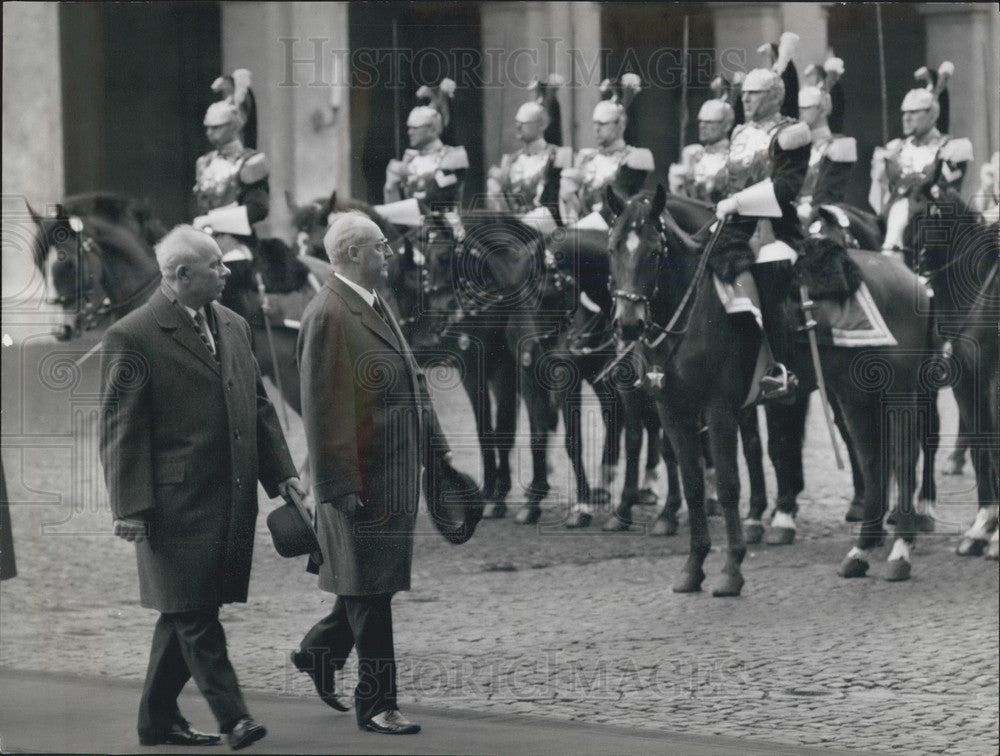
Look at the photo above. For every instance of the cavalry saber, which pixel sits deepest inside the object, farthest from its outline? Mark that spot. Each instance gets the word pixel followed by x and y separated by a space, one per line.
pixel 270 345
pixel 810 325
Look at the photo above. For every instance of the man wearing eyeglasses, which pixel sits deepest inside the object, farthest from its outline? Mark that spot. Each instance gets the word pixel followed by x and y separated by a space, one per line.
pixel 365 414
pixel 701 173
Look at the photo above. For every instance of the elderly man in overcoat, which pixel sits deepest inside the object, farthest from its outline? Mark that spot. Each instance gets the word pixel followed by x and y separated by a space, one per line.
pixel 365 413
pixel 187 432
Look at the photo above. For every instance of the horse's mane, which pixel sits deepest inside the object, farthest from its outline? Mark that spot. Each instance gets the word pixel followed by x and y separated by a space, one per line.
pixel 510 249
pixel 119 210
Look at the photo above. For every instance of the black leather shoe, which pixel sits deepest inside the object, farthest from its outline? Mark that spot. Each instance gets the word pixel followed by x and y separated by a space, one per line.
pixel 322 674
pixel 181 734
pixel 390 722
pixel 247 731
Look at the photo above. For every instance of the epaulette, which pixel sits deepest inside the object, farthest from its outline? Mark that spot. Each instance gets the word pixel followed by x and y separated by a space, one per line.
pixel 563 157
pixel 454 159
pixel 843 150
pixel 639 159
pixel 691 153
pixel 957 150
pixel 254 168
pixel 794 136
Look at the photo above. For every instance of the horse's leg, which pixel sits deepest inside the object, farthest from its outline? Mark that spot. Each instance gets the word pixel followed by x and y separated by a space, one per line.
pixel 682 429
pixel 612 418
pixel 864 426
pixel 666 520
pixel 630 402
pixel 476 384
pixel 956 460
pixel 904 445
pixel 711 493
pixel 722 424
pixel 930 441
pixel 505 388
pixel 582 512
pixel 654 453
pixel 856 509
pixel 753 455
pixel 973 408
pixel 540 422
pixel 785 434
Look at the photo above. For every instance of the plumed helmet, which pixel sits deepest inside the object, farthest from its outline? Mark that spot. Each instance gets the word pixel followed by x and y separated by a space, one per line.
pixel 917 99
pixel 423 115
pixel 546 95
pixel 235 89
pixel 439 98
pixel 222 112
pixel 762 80
pixel 532 111
pixel 716 110
pixel 812 97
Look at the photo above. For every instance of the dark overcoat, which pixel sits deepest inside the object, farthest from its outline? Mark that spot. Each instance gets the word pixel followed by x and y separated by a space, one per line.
pixel 362 405
pixel 184 440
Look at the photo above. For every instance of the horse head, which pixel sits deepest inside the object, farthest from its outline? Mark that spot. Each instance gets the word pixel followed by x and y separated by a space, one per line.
pixel 71 263
pixel 636 248
pixel 310 223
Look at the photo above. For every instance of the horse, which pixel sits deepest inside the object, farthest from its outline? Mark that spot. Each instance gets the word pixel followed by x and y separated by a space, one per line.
pixel 948 245
pixel 100 265
pixel 700 363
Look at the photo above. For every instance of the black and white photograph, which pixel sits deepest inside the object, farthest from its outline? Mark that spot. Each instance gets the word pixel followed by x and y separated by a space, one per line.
pixel 465 377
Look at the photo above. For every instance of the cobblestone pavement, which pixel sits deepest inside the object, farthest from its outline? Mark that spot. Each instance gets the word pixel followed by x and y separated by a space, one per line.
pixel 538 620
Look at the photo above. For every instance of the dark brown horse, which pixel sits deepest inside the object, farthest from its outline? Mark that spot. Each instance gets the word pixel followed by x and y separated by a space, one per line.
pixel 958 255
pixel 699 362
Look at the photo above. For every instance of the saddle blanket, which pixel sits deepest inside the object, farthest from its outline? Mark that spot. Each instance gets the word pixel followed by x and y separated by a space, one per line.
pixel 853 322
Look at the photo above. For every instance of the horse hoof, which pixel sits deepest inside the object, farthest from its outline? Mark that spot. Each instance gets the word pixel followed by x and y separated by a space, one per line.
pixel 753 532
pixel 647 497
pixel 579 520
pixel 731 585
pixel 615 524
pixel 528 514
pixel 665 526
pixel 599 497
pixel 855 512
pixel 924 523
pixel 690 582
pixel 494 511
pixel 853 568
pixel 897 570
pixel 713 508
pixel 971 547
pixel 781 537
pixel 993 552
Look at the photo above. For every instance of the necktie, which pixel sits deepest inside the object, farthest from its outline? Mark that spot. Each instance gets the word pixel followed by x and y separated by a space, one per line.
pixel 381 312
pixel 202 327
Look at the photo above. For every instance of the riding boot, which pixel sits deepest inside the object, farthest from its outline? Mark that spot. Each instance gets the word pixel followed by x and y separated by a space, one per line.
pixel 773 281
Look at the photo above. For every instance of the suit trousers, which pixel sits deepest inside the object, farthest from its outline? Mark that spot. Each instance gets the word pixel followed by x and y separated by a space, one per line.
pixel 364 622
pixel 185 645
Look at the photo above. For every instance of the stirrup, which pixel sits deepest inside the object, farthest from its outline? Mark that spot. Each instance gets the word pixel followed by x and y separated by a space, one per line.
pixel 778 383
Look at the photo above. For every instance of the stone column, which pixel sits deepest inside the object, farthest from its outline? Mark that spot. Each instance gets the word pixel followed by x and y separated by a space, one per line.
pixel 32 151
pixel 524 41
pixel 290 49
pixel 968 35
pixel 740 28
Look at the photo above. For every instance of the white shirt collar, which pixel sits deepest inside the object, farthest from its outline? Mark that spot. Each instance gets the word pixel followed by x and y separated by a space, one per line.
pixel 365 294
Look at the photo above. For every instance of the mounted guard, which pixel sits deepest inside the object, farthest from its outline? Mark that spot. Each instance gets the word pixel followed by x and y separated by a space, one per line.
pixel 766 166
pixel 701 173
pixel 831 158
pixel 426 184
pixel 914 159
pixel 613 162
pixel 524 181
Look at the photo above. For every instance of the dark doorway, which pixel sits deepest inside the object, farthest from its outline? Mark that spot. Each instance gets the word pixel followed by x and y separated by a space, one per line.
pixel 853 35
pixel 432 40
pixel 136 80
pixel 648 39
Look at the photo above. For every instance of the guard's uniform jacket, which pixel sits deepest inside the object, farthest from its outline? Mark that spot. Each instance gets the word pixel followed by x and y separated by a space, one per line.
pixel 831 161
pixel 233 175
pixel 624 168
pixel 518 184
pixel 765 171
pixel 911 161
pixel 434 177
pixel 702 171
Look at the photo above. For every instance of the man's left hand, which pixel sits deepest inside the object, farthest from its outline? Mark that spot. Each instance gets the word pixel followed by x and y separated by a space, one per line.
pixel 725 208
pixel 291 484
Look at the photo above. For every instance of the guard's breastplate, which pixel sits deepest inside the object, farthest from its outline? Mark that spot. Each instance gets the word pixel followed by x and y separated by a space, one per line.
pixel 218 181
pixel 599 170
pixel 527 178
pixel 749 160
pixel 420 172
pixel 913 160
pixel 709 170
